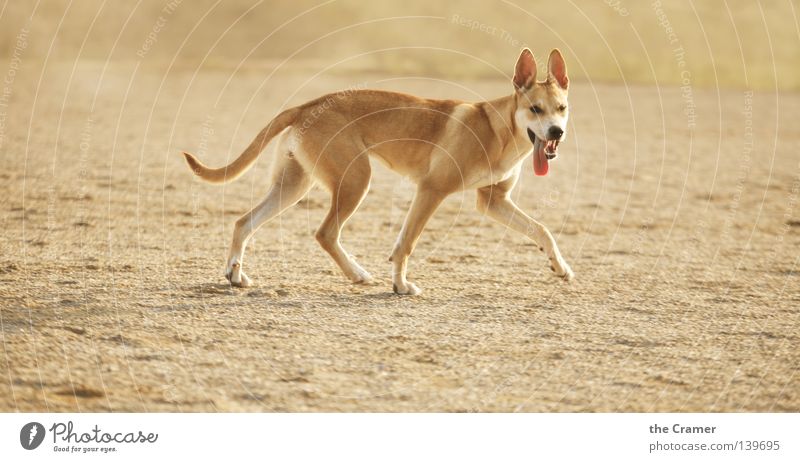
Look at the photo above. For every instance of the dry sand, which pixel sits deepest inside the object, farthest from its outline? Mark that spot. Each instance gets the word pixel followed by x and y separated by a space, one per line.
pixel 684 242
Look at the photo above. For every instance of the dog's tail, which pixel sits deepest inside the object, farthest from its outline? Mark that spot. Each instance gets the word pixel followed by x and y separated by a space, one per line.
pixel 236 168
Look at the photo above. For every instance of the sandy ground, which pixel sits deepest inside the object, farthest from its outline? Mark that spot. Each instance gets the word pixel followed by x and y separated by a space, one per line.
pixel 680 222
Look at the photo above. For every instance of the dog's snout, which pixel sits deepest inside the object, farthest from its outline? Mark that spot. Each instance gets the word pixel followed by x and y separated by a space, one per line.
pixel 554 133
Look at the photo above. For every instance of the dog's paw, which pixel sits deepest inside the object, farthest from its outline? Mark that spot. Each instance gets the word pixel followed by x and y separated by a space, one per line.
pixel 568 273
pixel 409 288
pixel 563 271
pixel 361 276
pixel 236 276
pixel 244 281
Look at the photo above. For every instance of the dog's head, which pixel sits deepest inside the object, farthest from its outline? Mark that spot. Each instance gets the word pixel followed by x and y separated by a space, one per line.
pixel 542 108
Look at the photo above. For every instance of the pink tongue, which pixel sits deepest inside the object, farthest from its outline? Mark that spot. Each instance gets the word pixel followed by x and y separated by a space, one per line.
pixel 540 166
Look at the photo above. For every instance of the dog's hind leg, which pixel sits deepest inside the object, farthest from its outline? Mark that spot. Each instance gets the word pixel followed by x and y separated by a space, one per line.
pixel 348 188
pixel 290 183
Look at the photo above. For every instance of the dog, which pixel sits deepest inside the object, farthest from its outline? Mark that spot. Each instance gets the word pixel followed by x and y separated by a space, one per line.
pixel 443 146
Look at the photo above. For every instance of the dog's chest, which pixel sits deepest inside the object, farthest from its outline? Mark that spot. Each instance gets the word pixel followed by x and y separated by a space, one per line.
pixel 513 154
pixel 500 168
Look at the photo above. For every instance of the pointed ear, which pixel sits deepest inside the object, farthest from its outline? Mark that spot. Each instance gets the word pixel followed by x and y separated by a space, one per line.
pixel 558 69
pixel 525 70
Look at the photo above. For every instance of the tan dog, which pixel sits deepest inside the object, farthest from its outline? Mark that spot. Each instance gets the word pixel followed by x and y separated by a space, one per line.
pixel 443 146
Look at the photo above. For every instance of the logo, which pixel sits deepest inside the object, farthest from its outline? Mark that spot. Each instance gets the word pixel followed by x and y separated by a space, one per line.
pixel 31 435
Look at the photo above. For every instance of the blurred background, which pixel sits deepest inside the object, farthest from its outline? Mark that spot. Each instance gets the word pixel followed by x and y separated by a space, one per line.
pixel 728 43
pixel 674 198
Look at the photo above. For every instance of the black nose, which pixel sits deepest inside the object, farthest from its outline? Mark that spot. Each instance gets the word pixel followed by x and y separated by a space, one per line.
pixel 554 133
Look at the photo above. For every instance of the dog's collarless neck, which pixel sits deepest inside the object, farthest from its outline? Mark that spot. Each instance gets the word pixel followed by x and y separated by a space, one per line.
pixel 500 113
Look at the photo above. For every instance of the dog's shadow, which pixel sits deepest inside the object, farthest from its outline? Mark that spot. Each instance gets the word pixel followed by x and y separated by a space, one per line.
pixel 388 295
pixel 213 288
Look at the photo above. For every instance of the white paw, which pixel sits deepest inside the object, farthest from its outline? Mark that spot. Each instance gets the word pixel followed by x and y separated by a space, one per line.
pixel 409 288
pixel 244 281
pixel 360 276
pixel 562 270
pixel 568 274
pixel 236 276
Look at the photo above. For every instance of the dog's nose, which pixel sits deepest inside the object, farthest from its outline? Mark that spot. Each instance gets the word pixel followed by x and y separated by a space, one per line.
pixel 554 133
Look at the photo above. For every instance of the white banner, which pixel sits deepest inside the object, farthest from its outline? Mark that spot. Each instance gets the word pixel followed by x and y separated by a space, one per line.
pixel 400 437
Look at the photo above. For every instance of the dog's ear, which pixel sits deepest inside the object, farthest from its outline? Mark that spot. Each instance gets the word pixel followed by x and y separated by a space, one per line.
pixel 525 70
pixel 558 69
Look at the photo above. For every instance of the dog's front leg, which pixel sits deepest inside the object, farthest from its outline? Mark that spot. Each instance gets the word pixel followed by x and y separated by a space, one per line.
pixel 497 205
pixel 422 207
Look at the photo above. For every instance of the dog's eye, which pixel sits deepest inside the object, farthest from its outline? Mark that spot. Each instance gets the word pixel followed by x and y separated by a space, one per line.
pixel 562 108
pixel 536 109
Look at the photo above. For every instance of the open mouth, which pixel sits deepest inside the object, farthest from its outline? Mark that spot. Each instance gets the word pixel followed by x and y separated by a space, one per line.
pixel 543 152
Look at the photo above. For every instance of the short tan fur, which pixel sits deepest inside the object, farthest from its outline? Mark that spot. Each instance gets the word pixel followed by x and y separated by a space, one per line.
pixel 443 146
